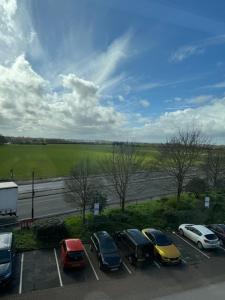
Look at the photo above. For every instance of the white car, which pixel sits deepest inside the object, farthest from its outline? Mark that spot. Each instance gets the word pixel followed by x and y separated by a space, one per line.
pixel 201 235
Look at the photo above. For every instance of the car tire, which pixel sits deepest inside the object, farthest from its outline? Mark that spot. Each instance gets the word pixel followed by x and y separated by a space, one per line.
pixel 200 246
pixel 181 232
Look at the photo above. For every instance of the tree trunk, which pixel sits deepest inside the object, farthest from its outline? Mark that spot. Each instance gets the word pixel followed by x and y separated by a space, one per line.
pixel 123 204
pixel 179 190
pixel 83 212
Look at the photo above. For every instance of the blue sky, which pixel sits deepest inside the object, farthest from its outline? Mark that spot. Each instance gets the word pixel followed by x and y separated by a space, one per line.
pixel 115 70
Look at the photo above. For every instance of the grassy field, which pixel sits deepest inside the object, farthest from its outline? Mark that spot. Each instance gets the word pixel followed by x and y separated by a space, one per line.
pixel 51 160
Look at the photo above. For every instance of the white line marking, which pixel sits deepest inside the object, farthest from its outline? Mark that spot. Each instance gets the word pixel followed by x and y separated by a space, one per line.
pixel 126 267
pixel 192 245
pixel 21 274
pixel 57 264
pixel 93 269
pixel 156 264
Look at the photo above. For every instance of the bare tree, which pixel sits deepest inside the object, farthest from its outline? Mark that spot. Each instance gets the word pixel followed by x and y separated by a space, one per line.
pixel 214 166
pixel 180 153
pixel 78 185
pixel 120 165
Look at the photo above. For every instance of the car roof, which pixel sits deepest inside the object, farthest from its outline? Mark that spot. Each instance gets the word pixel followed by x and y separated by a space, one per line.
pixel 153 230
pixel 137 236
pixel 102 235
pixel 8 185
pixel 5 240
pixel 74 245
pixel 202 229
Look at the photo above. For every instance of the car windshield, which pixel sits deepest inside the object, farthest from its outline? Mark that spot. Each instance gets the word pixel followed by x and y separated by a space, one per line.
pixel 108 246
pixel 75 255
pixel 162 240
pixel 211 236
pixel 4 256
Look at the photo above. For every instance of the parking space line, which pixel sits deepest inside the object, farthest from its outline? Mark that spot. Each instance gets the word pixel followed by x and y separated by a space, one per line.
pixel 21 274
pixel 57 264
pixel 126 267
pixel 156 264
pixel 93 269
pixel 191 245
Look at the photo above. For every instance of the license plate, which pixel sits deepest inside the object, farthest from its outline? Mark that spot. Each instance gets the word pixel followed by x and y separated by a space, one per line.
pixel 114 269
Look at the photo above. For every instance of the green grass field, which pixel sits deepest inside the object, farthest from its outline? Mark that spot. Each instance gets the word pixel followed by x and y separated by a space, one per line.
pixel 51 160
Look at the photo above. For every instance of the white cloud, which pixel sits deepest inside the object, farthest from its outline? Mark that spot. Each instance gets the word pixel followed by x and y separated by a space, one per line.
pixel 195 49
pixel 121 98
pixel 28 104
pixel 144 103
pixel 218 85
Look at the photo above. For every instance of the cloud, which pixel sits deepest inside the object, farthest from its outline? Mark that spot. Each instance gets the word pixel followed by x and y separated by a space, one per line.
pixel 121 98
pixel 184 52
pixel 200 99
pixel 28 104
pixel 144 103
pixel 218 85
pixel 16 32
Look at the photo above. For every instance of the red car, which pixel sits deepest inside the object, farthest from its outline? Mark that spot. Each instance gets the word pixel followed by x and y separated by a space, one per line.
pixel 72 253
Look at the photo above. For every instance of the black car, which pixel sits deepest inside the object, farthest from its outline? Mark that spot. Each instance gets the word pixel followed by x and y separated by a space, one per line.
pixel 107 252
pixel 219 230
pixel 6 257
pixel 137 248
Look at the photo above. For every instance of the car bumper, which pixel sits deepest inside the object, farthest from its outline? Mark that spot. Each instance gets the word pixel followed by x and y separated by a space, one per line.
pixel 211 246
pixel 171 261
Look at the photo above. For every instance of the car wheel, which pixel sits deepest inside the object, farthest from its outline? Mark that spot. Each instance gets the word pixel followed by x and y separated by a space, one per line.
pixel 200 245
pixel 181 232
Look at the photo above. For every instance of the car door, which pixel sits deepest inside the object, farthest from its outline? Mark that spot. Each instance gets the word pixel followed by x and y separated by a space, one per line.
pixel 188 231
pixel 196 235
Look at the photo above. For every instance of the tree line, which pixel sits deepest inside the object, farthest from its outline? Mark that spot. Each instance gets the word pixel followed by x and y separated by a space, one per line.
pixel 183 152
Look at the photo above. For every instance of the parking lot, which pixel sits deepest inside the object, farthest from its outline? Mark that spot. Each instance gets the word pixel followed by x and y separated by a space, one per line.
pixel 41 269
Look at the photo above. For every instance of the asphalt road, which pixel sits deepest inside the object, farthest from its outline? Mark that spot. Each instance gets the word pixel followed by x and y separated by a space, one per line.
pixel 50 197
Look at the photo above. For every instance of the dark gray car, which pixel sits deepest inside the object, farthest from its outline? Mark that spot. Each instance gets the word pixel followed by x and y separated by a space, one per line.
pixel 6 257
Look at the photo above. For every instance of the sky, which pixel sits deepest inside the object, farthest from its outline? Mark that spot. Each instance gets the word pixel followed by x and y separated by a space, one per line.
pixel 120 70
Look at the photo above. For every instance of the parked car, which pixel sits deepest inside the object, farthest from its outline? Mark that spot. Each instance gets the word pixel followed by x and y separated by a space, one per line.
pixel 135 245
pixel 72 253
pixel 106 250
pixel 7 255
pixel 219 230
pixel 201 235
pixel 164 249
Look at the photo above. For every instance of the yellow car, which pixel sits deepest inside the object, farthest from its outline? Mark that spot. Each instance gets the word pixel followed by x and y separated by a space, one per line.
pixel 164 249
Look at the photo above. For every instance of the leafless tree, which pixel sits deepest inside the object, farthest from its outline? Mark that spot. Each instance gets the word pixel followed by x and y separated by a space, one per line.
pixel 78 185
pixel 120 165
pixel 214 166
pixel 179 154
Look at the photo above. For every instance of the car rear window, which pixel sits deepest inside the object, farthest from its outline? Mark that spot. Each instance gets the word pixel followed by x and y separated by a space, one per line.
pixel 162 240
pixel 211 236
pixel 108 246
pixel 75 255
pixel 4 256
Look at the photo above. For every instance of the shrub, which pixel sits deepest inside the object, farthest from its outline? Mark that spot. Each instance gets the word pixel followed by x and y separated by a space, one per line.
pixel 51 231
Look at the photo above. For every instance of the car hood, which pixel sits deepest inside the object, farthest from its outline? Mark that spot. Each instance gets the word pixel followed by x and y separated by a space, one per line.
pixel 5 268
pixel 170 251
pixel 112 259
